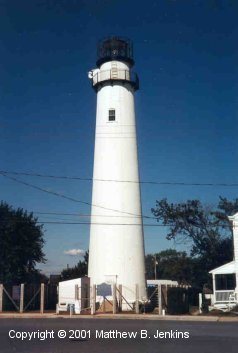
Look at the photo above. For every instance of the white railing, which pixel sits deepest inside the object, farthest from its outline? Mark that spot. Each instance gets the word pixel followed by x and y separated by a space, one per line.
pixel 225 296
pixel 116 74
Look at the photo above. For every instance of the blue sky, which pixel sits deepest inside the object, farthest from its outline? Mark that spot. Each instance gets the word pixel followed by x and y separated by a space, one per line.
pixel 186 57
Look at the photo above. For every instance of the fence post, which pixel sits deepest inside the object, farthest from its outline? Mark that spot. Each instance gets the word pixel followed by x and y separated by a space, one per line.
pixel 93 299
pixel 137 299
pixel 22 298
pixel 200 303
pixel 1 297
pixel 114 299
pixel 42 298
pixel 159 299
pixel 120 298
pixel 76 295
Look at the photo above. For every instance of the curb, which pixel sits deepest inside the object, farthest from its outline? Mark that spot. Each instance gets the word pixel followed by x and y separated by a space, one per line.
pixel 120 317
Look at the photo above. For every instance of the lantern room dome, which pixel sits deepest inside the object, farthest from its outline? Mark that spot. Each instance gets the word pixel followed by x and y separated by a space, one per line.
pixel 115 48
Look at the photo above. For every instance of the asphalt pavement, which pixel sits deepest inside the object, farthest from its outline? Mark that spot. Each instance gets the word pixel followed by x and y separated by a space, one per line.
pixel 116 336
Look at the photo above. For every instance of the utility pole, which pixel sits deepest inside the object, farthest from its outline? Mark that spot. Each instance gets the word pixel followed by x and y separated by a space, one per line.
pixel 155 266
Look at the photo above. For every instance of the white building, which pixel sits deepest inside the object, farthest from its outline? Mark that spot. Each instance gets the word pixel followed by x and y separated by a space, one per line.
pixel 116 251
pixel 75 292
pixel 225 277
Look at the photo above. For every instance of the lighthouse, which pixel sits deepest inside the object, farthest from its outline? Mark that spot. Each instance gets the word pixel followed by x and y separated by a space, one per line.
pixel 116 249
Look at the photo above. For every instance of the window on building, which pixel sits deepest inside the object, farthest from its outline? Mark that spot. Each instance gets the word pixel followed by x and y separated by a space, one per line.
pixel 225 282
pixel 112 115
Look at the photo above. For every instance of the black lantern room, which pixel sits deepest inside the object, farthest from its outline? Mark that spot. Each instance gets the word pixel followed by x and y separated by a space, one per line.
pixel 115 48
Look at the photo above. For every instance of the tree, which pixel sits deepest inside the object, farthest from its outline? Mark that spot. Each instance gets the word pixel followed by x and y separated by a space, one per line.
pixel 80 270
pixel 21 245
pixel 207 229
pixel 171 264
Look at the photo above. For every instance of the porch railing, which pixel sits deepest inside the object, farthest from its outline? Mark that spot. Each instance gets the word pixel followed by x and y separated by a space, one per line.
pixel 225 296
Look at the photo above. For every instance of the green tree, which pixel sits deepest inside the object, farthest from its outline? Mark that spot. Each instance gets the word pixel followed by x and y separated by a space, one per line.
pixel 80 270
pixel 21 245
pixel 171 264
pixel 208 230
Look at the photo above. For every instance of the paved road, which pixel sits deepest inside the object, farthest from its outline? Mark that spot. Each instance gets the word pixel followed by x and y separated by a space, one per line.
pixel 204 337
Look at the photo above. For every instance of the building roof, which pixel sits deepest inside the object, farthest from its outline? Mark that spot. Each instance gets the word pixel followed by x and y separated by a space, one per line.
pixel 224 269
pixel 233 217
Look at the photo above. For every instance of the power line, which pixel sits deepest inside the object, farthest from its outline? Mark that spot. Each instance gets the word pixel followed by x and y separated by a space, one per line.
pixel 118 181
pixel 85 215
pixel 52 218
pixel 69 221
pixel 44 175
pixel 106 224
pixel 67 197
pixel 109 224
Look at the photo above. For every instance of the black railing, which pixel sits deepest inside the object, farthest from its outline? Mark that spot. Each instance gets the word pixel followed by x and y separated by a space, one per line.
pixel 116 75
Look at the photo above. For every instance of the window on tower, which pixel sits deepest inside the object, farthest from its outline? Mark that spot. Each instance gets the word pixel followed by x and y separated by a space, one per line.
pixel 112 115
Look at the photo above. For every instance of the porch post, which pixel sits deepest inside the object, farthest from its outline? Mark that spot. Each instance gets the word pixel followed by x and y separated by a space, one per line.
pixel 214 287
pixel 235 239
pixel 1 297
pixel 234 220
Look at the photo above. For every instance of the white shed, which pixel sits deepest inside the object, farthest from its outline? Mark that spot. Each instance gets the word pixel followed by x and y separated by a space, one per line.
pixel 74 292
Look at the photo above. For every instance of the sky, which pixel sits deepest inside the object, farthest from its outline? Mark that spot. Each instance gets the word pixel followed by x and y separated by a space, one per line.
pixel 186 57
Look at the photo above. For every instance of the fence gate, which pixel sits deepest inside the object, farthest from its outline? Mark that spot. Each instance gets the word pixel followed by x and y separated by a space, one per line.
pixel 157 295
pixel 10 298
pixel 51 296
pixel 32 294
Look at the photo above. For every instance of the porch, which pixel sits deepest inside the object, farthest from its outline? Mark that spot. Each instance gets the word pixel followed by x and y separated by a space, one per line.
pixel 224 284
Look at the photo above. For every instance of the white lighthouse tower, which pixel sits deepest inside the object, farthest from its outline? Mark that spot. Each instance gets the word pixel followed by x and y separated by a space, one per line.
pixel 116 251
